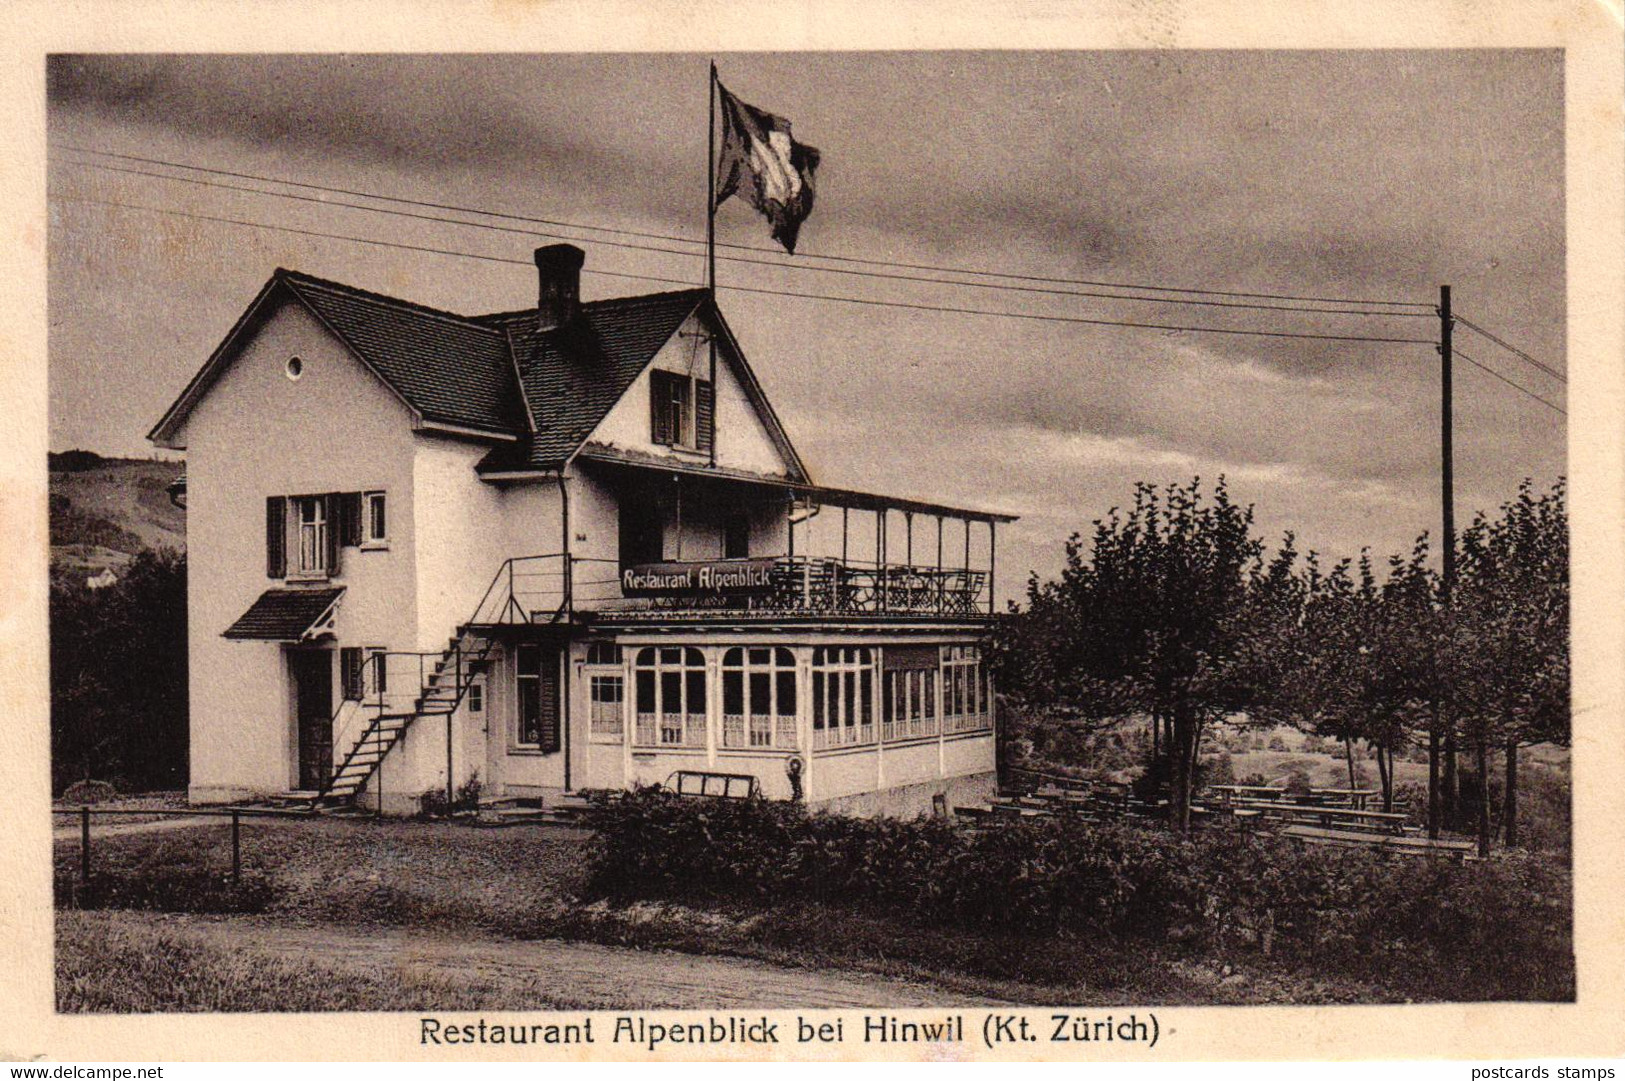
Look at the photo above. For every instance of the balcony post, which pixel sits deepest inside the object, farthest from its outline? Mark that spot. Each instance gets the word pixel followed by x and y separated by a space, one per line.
pixel 843 536
pixel 880 559
pixel 992 551
pixel 941 590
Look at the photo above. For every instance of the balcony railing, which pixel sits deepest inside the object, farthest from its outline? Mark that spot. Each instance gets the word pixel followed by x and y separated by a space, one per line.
pixel 556 588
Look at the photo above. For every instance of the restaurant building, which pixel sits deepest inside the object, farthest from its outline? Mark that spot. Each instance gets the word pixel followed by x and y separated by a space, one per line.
pixel 565 548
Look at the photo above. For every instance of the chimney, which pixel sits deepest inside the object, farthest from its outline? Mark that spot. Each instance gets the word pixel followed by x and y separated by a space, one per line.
pixel 558 272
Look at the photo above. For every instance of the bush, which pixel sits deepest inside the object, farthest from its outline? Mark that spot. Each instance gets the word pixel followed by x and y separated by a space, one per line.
pixel 432 804
pixel 89 792
pixel 1428 928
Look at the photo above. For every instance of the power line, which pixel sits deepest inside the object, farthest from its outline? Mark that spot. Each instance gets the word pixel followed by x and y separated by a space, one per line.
pixel 354 239
pixel 747 259
pixel 1514 350
pixel 776 292
pixel 1510 383
pixel 741 247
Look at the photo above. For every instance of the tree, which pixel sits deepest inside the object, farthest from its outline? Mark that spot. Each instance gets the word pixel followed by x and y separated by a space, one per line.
pixel 1165 612
pixel 118 676
pixel 1506 645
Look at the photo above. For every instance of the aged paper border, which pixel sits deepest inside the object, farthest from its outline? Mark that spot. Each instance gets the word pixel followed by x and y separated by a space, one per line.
pixel 1588 30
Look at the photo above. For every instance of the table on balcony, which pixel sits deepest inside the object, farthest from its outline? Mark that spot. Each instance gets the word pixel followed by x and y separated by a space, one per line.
pixel 830 585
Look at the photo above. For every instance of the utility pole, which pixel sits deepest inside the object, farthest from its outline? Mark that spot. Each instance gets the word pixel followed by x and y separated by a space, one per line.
pixel 1444 725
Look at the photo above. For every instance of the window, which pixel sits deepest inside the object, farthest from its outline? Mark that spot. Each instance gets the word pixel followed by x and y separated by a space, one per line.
pixel 606 691
pixel 536 678
pixel 313 535
pixel 672 404
pixel 476 698
pixel 375 520
pixel 670 693
pixel 682 410
pixel 908 697
pixel 843 696
pixel 965 706
pixel 295 368
pixel 758 697
pixel 376 679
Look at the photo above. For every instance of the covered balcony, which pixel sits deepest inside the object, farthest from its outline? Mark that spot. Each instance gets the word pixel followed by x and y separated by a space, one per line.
pixel 699 548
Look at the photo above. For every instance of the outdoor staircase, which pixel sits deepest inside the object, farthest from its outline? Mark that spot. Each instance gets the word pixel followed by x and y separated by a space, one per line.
pixel 441 692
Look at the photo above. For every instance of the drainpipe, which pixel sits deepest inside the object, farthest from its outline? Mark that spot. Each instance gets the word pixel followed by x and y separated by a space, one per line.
pixel 565 689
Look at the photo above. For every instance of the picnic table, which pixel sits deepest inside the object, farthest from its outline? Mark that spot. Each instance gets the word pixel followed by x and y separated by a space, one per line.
pixel 1356 797
pixel 1385 842
pixel 1333 816
pixel 1229 792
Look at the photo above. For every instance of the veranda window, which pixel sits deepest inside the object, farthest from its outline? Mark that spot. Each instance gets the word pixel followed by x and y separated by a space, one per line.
pixel 909 701
pixel 606 692
pixel 758 697
pixel 965 707
pixel 843 696
pixel 670 696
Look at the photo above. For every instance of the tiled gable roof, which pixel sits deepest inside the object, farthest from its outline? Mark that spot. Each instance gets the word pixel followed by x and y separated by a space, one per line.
pixel 545 391
pixel 449 368
pixel 574 375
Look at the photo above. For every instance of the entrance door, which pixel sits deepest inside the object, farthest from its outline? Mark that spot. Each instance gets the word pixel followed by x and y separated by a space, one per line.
pixel 313 692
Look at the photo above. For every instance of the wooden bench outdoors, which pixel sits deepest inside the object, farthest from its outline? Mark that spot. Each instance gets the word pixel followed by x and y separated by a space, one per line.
pixel 686 782
pixel 1331 816
pixel 1386 842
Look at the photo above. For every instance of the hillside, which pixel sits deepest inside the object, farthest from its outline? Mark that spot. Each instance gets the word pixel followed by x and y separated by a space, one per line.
pixel 104 510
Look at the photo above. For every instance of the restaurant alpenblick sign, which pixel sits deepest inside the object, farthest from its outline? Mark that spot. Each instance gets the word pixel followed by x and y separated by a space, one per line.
pixel 705 578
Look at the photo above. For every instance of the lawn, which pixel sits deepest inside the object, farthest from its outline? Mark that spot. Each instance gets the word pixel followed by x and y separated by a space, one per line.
pixel 107 962
pixel 524 883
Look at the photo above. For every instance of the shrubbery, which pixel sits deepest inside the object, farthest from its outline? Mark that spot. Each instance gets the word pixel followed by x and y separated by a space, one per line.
pixel 1420 927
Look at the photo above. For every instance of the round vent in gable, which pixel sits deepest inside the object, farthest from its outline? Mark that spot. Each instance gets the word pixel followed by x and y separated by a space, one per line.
pixel 296 367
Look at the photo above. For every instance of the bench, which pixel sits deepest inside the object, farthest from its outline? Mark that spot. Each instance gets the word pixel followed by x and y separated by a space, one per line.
pixel 1385 842
pixel 687 782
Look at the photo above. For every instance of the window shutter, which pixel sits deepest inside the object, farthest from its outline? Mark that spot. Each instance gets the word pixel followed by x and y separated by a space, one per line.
pixel 276 536
pixel 333 501
pixel 660 408
pixel 548 723
pixel 350 518
pixel 350 672
pixel 705 408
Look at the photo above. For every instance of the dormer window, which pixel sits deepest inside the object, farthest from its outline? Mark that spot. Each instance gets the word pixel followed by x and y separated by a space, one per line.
pixel 681 408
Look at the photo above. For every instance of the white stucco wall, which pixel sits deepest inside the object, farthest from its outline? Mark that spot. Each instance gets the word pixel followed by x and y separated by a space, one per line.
pixel 256 434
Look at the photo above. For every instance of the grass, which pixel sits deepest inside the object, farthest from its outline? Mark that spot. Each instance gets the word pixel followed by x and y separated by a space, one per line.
pixel 525 883
pixel 109 964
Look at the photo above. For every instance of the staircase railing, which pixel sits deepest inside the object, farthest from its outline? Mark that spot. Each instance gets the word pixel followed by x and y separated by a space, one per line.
pixel 525 589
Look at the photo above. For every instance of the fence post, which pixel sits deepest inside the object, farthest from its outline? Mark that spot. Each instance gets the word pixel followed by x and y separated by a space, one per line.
pixel 84 846
pixel 236 848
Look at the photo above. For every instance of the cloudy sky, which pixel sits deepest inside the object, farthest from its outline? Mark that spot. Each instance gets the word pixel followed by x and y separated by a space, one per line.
pixel 1372 175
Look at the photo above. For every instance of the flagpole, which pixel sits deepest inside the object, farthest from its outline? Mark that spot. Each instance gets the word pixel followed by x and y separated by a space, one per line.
pixel 711 239
pixel 711 182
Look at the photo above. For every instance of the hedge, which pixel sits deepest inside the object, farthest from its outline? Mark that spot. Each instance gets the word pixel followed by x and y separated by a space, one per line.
pixel 1492 930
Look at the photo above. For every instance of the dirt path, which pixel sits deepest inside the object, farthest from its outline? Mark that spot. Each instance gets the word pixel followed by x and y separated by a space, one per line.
pixel 601 977
pixel 122 829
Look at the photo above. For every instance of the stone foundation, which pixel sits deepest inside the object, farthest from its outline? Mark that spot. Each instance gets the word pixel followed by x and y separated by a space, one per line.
pixel 913 800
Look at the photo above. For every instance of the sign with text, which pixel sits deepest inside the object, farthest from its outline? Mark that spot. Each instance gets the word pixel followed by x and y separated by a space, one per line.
pixel 716 577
